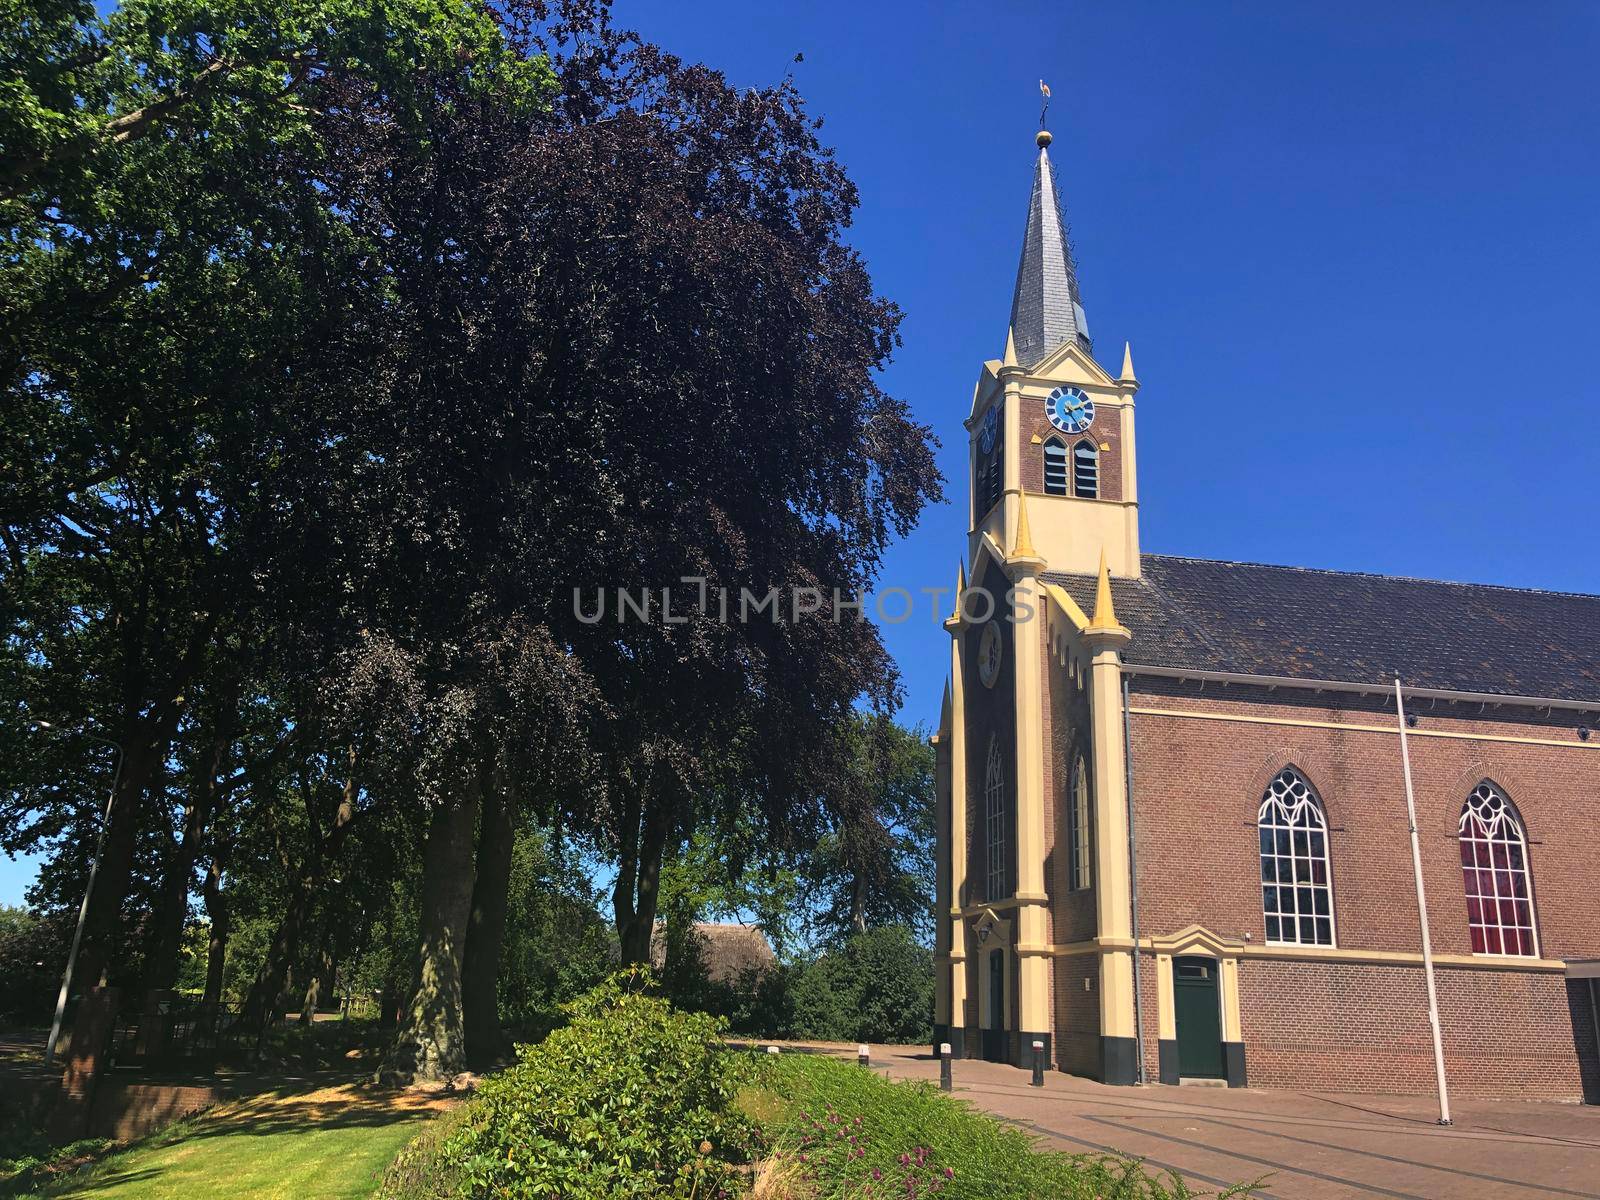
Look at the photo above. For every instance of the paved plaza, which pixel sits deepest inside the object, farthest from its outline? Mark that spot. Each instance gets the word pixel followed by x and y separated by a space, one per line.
pixel 1310 1146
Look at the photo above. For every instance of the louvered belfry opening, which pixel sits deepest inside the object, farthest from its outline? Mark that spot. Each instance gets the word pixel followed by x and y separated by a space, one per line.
pixel 1085 470
pixel 1055 468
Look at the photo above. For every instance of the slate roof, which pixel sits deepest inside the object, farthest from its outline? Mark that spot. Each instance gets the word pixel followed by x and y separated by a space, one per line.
pixel 1046 309
pixel 1297 622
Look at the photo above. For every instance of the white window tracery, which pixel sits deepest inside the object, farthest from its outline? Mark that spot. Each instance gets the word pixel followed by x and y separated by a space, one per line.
pixel 1296 884
pixel 1494 868
pixel 1078 826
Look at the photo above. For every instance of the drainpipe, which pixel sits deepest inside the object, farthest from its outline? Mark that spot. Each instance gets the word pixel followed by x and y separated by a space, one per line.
pixel 1133 884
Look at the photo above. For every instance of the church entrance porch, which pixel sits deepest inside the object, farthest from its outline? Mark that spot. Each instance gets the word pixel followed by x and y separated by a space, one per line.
pixel 1198 1013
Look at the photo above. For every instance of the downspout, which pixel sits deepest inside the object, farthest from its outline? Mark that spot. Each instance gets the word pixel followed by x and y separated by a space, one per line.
pixel 1133 883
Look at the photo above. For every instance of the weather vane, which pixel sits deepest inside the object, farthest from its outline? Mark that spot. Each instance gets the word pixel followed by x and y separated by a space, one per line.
pixel 1044 102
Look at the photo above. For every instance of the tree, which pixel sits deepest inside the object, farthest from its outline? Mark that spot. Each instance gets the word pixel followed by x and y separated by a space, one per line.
pixel 171 264
pixel 873 868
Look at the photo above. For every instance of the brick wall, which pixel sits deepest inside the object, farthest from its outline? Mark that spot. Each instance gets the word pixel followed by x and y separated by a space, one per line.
pixel 990 713
pixel 1077 1014
pixel 1198 785
pixel 1357 1027
pixel 1106 431
pixel 1066 736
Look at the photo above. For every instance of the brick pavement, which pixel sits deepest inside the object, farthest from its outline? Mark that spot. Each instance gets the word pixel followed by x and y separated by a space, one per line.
pixel 1310 1146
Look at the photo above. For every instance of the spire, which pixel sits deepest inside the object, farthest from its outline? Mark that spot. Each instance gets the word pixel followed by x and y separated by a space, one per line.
pixel 1022 546
pixel 1105 613
pixel 1046 309
pixel 1127 375
pixel 1010 360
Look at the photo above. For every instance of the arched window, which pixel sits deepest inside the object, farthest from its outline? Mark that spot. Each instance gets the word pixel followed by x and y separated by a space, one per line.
pixel 994 819
pixel 991 478
pixel 1296 892
pixel 1055 467
pixel 1494 863
pixel 1085 470
pixel 1078 827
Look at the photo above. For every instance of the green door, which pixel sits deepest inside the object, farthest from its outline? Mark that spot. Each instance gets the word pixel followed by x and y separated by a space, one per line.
pixel 1194 1001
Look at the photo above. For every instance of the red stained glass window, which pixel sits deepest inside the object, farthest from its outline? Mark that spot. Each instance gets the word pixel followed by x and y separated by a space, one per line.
pixel 1494 867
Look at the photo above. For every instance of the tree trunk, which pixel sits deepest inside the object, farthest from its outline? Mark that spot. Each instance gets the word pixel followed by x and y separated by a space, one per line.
pixel 172 910
pixel 480 968
pixel 638 881
pixel 431 1044
pixel 269 983
pixel 102 932
pixel 318 986
pixel 217 912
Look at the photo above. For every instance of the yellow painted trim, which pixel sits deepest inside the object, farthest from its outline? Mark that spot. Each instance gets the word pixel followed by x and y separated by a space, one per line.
pixel 1232 1018
pixel 1221 948
pixel 1067 605
pixel 1020 900
pixel 1166 1004
pixel 1383 729
pixel 1403 958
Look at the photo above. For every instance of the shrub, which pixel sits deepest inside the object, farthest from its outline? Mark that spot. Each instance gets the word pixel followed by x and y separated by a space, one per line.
pixel 849 1132
pixel 877 988
pixel 421 1171
pixel 631 1098
pixel 33 948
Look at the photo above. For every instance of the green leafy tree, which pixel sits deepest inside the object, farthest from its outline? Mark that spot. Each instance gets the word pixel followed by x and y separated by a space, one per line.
pixel 874 865
pixel 171 267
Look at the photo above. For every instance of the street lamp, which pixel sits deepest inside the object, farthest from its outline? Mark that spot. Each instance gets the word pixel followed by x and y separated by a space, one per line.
pixel 83 909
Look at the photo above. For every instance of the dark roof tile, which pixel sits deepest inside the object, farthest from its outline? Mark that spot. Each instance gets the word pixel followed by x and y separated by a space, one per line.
pixel 1299 622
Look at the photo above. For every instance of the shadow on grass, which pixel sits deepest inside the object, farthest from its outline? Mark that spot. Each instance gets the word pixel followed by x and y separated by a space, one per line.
pixel 285 1111
pixel 288 1110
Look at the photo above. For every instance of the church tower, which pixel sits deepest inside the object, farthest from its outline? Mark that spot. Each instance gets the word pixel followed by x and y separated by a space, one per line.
pixel 1053 490
pixel 1047 421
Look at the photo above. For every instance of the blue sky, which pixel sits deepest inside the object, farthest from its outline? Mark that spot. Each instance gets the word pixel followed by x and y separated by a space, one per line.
pixel 1356 248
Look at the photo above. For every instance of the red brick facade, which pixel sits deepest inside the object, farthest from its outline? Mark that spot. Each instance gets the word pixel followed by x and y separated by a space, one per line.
pixel 1105 433
pixel 1312 1018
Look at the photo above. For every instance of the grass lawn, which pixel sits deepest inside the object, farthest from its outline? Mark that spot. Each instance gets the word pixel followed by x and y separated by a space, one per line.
pixel 326 1144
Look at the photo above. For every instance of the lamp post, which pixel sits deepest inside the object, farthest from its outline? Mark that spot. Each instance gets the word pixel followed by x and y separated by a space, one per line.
pixel 83 909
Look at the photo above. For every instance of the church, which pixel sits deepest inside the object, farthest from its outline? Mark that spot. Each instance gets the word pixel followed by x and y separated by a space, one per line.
pixel 1174 840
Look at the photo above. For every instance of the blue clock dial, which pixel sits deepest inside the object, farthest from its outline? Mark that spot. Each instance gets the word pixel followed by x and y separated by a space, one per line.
pixel 1069 410
pixel 990 430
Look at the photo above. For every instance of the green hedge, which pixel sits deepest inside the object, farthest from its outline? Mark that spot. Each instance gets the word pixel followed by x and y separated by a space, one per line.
pixel 634 1098
pixel 630 1099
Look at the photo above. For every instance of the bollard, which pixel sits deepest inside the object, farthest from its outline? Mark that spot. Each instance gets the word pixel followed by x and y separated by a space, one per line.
pixel 944 1066
pixel 772 1050
pixel 1038 1064
pixel 863 1055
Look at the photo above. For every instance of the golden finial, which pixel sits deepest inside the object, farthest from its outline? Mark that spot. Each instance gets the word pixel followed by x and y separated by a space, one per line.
pixel 1022 547
pixel 1105 613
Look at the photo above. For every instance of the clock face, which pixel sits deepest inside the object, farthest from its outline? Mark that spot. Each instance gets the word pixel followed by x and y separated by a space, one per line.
pixel 1069 410
pixel 990 430
pixel 989 654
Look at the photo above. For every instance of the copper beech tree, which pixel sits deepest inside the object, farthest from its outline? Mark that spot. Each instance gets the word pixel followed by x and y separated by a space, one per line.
pixel 596 325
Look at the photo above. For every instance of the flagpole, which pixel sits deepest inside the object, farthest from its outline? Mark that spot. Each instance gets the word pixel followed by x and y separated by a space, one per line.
pixel 1422 908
